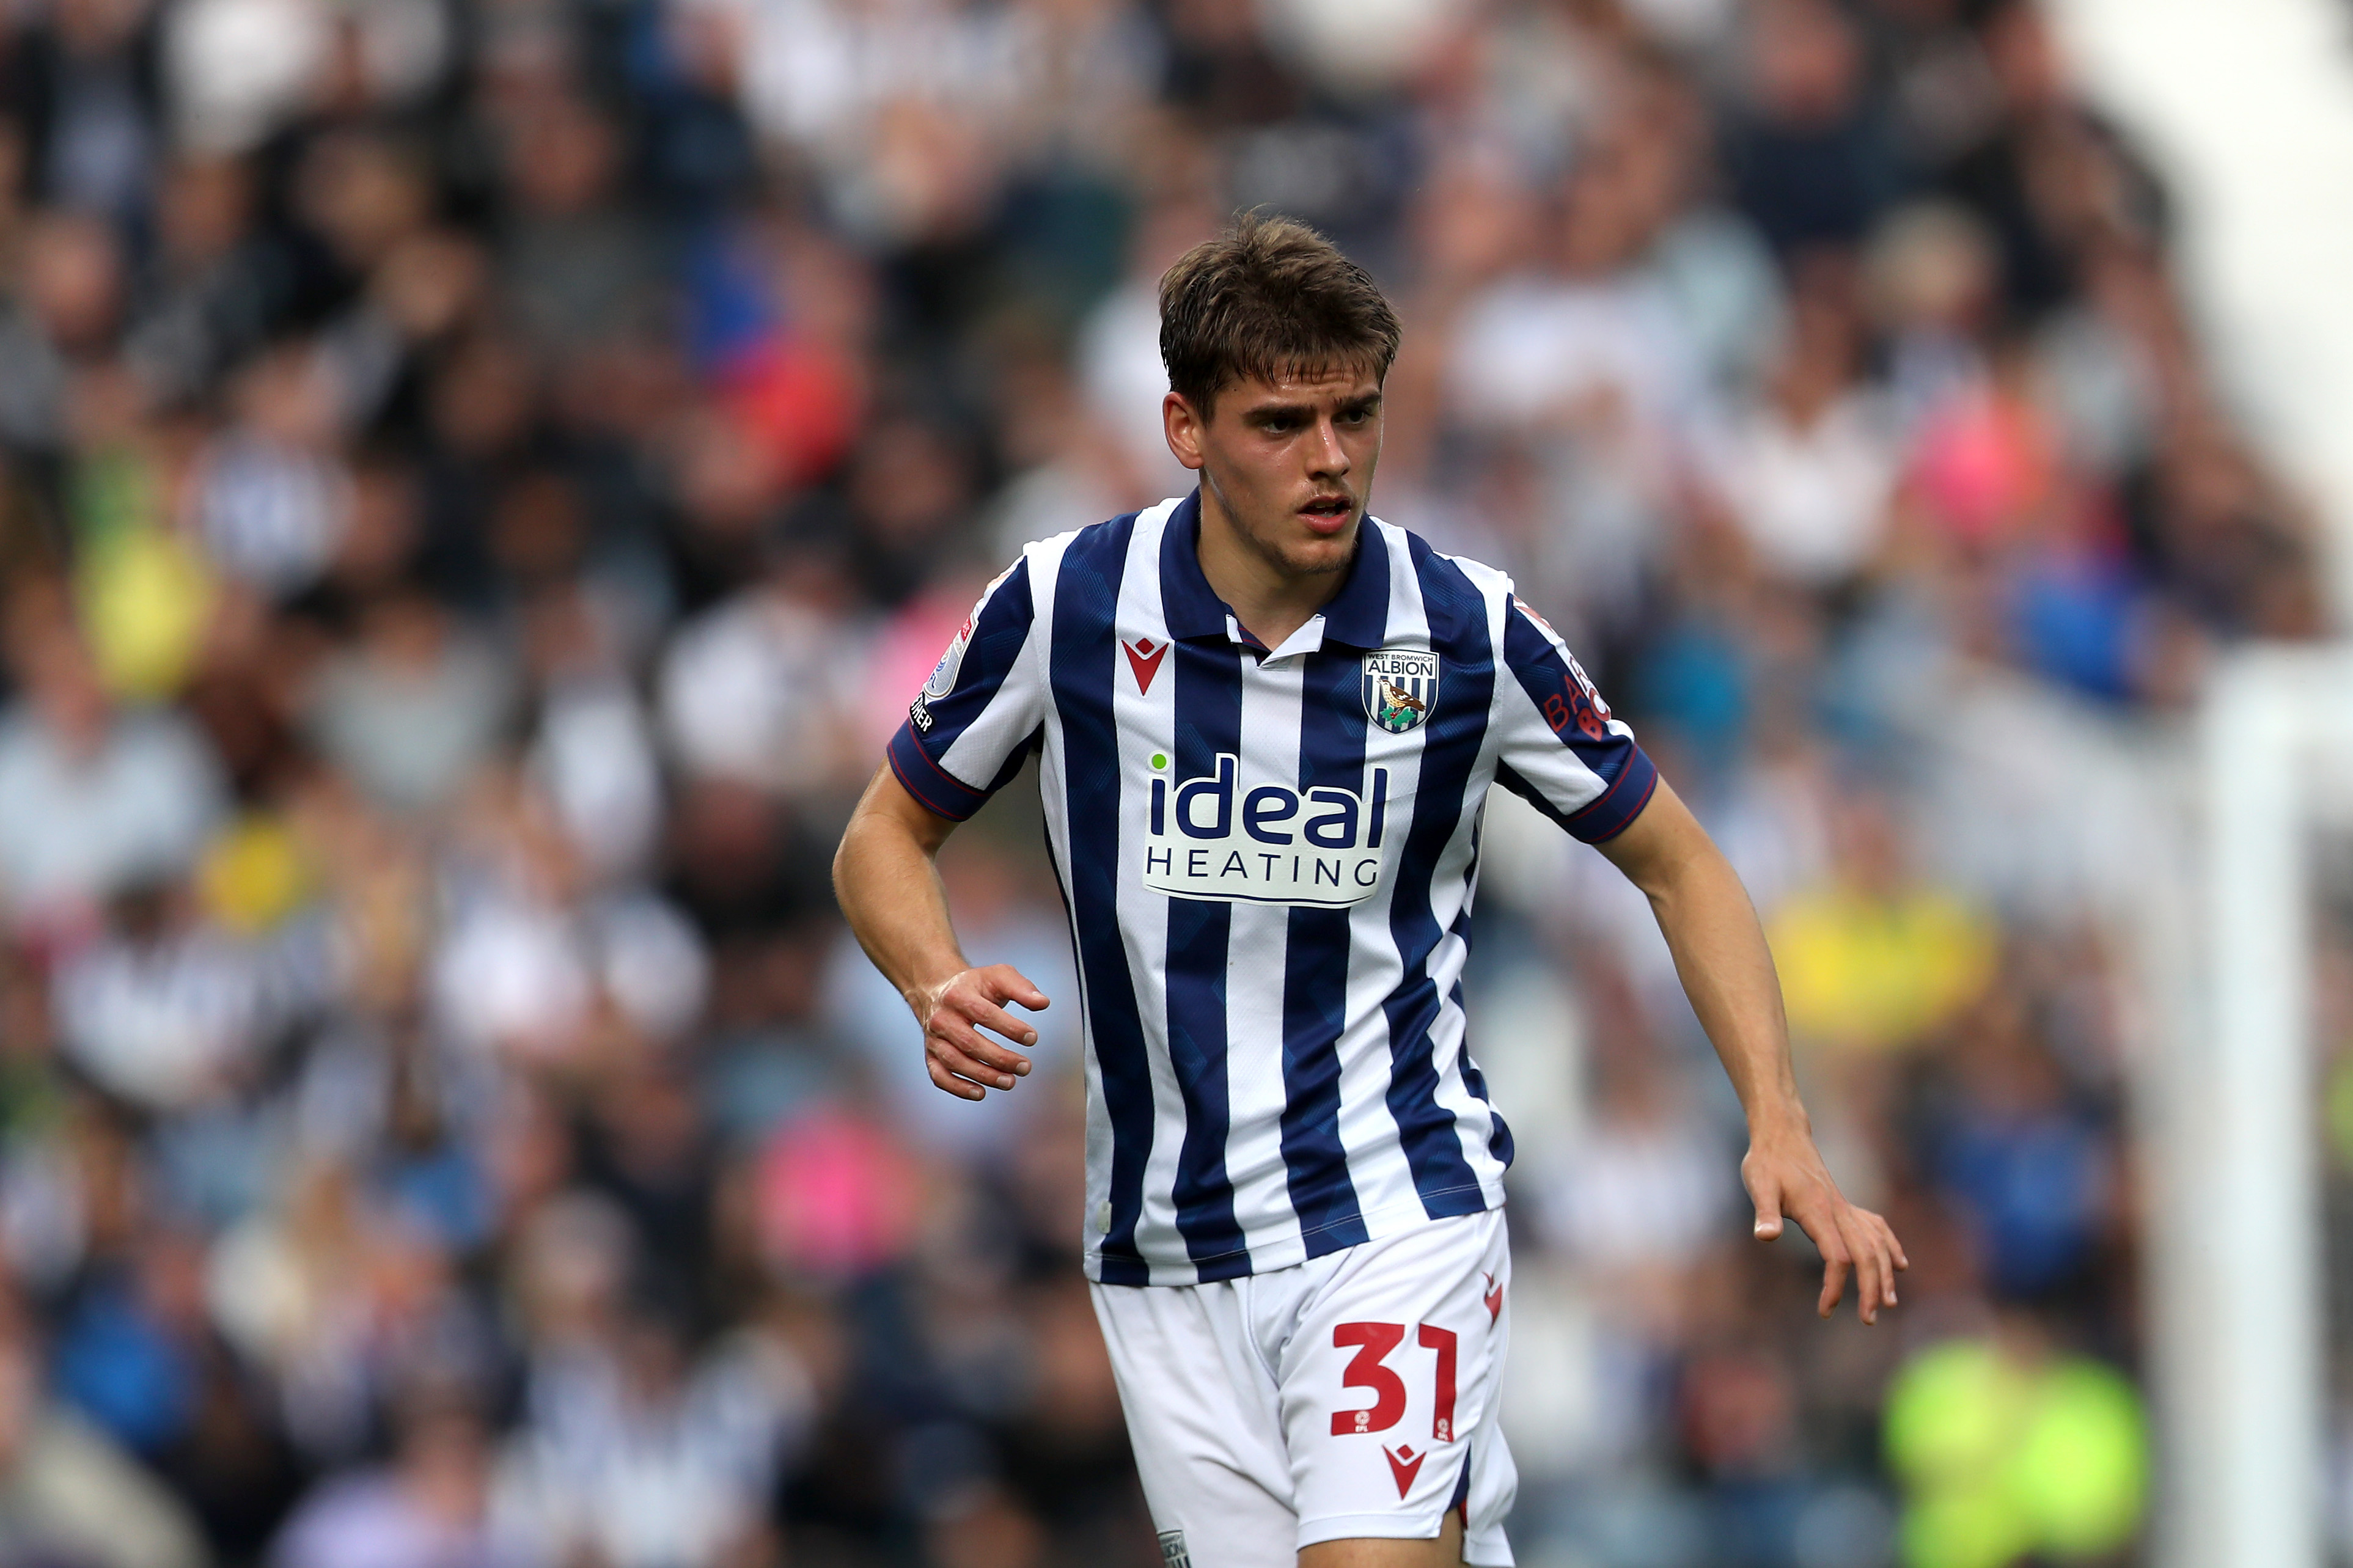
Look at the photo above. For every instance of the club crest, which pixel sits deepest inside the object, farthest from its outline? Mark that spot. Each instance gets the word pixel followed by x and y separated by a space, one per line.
pixel 1401 686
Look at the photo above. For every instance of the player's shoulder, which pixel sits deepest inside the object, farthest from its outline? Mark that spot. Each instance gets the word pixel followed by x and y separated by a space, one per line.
pixel 1427 558
pixel 1034 571
pixel 1114 535
pixel 1461 596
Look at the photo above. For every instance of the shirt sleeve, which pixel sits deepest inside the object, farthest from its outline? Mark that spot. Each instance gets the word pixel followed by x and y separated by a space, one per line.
pixel 968 729
pixel 1561 752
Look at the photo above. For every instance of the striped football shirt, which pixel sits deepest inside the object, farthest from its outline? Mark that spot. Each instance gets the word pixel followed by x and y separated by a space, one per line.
pixel 1268 857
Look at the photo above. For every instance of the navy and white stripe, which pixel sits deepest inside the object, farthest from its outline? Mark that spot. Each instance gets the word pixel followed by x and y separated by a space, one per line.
pixel 1269 892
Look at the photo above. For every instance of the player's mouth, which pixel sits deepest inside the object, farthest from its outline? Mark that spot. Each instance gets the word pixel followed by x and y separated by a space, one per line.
pixel 1328 515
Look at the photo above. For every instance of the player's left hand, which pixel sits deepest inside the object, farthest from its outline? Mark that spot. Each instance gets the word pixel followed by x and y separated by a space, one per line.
pixel 1785 1175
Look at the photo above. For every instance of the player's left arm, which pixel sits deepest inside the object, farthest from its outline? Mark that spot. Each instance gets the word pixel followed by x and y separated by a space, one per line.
pixel 1727 971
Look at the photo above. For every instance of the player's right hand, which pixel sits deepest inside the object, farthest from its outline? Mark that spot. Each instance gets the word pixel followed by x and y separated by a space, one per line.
pixel 960 1058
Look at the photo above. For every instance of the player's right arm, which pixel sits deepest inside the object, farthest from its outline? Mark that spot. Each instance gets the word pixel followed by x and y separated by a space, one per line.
pixel 888 883
pixel 965 738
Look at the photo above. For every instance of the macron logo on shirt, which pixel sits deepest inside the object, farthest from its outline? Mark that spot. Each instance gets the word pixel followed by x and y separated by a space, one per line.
pixel 1144 657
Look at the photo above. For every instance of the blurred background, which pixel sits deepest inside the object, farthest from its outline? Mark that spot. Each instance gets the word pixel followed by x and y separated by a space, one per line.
pixel 481 479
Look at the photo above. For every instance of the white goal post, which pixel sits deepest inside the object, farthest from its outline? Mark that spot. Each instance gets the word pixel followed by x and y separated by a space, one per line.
pixel 2230 1125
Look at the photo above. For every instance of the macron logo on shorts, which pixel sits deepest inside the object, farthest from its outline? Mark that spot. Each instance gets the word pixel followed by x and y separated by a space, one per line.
pixel 1172 1549
pixel 1404 1464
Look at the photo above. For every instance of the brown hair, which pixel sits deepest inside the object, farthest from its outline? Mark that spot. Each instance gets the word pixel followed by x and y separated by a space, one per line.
pixel 1269 297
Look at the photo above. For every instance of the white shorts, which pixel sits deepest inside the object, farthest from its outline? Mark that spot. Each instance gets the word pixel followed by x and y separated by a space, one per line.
pixel 1351 1395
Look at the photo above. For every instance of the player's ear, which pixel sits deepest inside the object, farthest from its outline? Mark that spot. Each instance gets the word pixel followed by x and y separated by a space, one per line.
pixel 1182 426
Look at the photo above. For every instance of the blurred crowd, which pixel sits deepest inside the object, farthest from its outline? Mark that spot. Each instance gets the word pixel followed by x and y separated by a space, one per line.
pixel 481 479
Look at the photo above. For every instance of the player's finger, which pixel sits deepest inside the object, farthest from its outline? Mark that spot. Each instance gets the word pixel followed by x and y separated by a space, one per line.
pixel 1768 1214
pixel 1894 1243
pixel 942 1079
pixel 1870 1229
pixel 988 1053
pixel 1862 1255
pixel 988 1017
pixel 1834 1267
pixel 1891 1253
pixel 950 1024
pixel 963 1056
pixel 1007 983
pixel 1870 1266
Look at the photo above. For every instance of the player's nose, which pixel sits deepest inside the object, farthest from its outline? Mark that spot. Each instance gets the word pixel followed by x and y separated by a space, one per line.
pixel 1327 454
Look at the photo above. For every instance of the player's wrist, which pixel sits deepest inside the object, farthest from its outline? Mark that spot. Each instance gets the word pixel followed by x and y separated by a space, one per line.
pixel 923 995
pixel 1782 1124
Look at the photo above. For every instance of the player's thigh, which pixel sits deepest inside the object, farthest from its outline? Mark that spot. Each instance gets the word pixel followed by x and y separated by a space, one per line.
pixel 1390 1379
pixel 1358 1552
pixel 1205 1423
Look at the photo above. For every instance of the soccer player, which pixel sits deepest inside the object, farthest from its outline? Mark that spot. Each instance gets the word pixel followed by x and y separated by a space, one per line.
pixel 1267 725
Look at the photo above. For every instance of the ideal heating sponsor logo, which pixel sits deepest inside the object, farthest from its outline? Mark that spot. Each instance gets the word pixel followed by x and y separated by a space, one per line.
pixel 1214 838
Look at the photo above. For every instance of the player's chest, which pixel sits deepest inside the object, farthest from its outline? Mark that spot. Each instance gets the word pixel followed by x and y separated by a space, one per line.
pixel 1316 710
pixel 1291 779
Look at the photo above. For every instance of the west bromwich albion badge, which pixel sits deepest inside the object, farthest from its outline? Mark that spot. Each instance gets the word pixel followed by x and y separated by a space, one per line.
pixel 1400 685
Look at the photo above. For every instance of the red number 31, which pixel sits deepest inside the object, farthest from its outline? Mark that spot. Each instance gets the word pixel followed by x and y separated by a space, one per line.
pixel 1365 1370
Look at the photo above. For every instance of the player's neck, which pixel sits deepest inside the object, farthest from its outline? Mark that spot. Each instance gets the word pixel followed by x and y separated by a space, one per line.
pixel 1270 602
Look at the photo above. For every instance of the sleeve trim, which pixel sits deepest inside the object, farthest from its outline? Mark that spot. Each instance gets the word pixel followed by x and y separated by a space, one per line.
pixel 935 788
pixel 1614 809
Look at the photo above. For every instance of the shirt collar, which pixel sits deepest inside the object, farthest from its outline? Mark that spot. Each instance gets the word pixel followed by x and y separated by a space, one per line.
pixel 1356 616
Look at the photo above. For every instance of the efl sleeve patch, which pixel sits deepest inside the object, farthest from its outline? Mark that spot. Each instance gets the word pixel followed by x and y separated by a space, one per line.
pixel 967 727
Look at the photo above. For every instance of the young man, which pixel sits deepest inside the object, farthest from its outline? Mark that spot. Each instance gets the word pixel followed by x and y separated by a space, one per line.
pixel 1267 725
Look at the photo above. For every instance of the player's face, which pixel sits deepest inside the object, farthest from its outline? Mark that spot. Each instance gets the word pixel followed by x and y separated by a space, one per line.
pixel 1289 463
